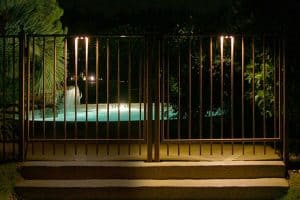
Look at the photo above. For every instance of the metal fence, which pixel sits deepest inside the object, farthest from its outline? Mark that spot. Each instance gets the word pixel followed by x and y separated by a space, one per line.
pixel 144 91
pixel 225 89
pixel 9 95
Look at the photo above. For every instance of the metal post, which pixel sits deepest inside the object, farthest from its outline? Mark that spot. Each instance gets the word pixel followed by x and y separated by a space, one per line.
pixel 232 92
pixel 285 136
pixel 211 92
pixel 22 38
pixel 222 89
pixel 264 93
pixel 243 93
pixel 157 102
pixel 201 95
pixel 107 92
pixel 190 94
pixel 97 94
pixel 65 91
pixel 149 100
pixel 253 94
pixel 3 100
pixel 129 96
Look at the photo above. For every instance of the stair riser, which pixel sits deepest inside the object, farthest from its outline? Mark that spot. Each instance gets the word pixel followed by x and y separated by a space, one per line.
pixel 151 193
pixel 161 172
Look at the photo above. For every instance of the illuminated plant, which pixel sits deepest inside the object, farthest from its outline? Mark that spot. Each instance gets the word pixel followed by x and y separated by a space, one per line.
pixel 263 83
pixel 36 17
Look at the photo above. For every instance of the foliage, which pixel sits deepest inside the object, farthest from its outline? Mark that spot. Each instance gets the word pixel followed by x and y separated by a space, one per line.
pixel 294 190
pixel 180 44
pixel 263 83
pixel 36 17
pixel 8 128
pixel 8 177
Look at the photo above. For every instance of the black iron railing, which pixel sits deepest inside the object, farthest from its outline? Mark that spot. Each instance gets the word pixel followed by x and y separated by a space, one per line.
pixel 143 90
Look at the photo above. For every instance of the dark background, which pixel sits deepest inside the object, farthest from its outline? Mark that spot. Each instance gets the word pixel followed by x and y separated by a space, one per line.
pixel 96 16
pixel 199 16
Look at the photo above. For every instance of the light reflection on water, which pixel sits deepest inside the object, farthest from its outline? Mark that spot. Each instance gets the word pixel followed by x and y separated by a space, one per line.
pixel 115 113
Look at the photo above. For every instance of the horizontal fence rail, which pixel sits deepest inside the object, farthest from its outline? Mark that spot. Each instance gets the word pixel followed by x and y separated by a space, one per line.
pixel 120 95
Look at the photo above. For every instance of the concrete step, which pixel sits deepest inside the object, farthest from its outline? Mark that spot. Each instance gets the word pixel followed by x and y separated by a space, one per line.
pixel 263 188
pixel 153 170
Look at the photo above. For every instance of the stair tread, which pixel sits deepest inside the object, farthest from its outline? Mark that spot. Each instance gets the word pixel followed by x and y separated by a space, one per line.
pixel 148 164
pixel 134 183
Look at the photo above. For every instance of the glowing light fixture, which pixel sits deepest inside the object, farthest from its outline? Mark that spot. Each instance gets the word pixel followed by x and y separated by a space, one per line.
pixel 227 37
pixel 92 78
pixel 222 43
pixel 86 39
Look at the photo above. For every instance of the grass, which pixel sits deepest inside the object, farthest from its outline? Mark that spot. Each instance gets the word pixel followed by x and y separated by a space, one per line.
pixel 294 191
pixel 8 178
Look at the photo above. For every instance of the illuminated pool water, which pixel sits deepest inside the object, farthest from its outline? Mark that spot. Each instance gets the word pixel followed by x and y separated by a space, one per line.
pixel 112 114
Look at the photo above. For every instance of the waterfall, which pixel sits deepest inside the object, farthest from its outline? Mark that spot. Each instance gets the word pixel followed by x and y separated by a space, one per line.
pixel 70 98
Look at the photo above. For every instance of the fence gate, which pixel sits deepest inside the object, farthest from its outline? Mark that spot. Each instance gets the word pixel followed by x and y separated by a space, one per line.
pixel 85 97
pixel 220 97
pixel 137 97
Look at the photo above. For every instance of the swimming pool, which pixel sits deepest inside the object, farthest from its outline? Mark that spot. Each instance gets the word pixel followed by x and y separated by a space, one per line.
pixel 115 112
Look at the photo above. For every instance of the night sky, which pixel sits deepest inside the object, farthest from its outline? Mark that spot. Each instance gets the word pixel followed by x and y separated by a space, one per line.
pixel 96 16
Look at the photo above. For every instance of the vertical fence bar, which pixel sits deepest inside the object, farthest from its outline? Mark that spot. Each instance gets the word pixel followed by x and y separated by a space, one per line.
pixel 275 92
pixel 140 105
pixel 129 96
pixel 4 138
pixel 190 94
pixel 65 91
pixel 145 93
pixel 264 92
pixel 44 96
pixel 86 92
pixel 253 94
pixel 280 92
pixel 243 94
pixel 211 91
pixel 107 94
pixel 118 88
pixel 222 90
pixel 32 92
pixel 28 88
pixel 22 38
pixel 157 105
pixel 168 99
pixel 162 119
pixel 201 95
pixel 76 87
pixel 97 94
pixel 232 93
pixel 285 136
pixel 54 92
pixel 179 100
pixel 149 97
pixel 27 79
pixel 145 98
pixel 14 90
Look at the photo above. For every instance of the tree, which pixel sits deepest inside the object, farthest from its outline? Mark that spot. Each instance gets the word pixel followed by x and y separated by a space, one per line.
pixel 36 17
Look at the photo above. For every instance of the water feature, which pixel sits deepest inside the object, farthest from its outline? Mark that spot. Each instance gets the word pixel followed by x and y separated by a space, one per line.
pixel 115 112
pixel 73 97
